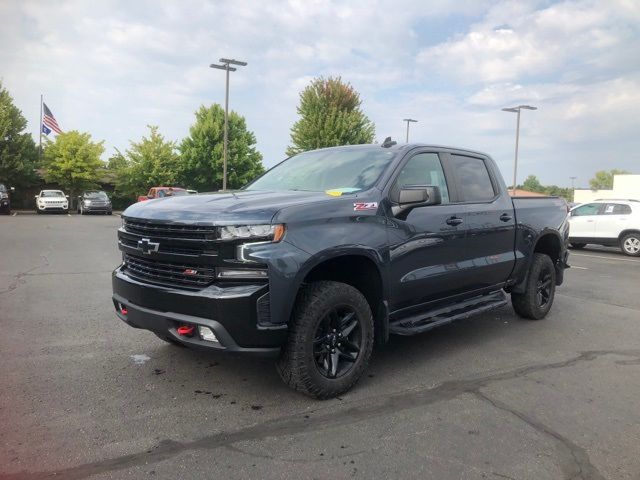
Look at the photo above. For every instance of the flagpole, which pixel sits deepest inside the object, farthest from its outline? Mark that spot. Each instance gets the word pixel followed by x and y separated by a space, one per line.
pixel 40 149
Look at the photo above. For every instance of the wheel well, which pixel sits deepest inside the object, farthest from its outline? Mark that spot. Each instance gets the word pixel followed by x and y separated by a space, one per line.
pixel 627 232
pixel 549 245
pixel 361 273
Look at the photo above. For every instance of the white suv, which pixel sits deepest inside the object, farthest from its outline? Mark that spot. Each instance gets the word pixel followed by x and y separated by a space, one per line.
pixel 52 201
pixel 607 222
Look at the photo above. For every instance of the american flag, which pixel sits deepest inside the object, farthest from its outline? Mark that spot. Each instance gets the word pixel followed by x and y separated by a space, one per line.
pixel 49 121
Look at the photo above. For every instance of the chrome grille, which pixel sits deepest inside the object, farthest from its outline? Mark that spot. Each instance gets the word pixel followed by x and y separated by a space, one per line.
pixel 169 273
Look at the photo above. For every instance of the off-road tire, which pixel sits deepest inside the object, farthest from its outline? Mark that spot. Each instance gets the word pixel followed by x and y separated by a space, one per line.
pixel 527 304
pixel 632 237
pixel 578 246
pixel 296 364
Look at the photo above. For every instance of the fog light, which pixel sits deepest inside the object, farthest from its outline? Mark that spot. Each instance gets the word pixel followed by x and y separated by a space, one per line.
pixel 207 334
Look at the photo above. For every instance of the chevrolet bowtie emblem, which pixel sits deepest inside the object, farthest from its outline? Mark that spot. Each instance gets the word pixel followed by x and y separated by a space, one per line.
pixel 146 246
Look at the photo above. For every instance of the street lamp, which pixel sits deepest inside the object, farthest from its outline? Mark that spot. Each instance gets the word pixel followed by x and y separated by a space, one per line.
pixel 409 120
pixel 572 182
pixel 226 65
pixel 517 110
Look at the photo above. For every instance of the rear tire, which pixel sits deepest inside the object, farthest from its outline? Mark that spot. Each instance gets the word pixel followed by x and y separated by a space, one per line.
pixel 540 289
pixel 630 244
pixel 330 340
pixel 578 246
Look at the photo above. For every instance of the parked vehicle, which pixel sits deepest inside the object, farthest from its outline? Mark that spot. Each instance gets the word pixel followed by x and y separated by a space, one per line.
pixel 52 201
pixel 334 248
pixel 94 201
pixel 614 223
pixel 161 192
pixel 5 199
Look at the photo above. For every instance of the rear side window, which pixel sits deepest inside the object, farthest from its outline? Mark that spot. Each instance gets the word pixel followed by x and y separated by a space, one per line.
pixel 424 169
pixel 588 209
pixel 617 209
pixel 473 177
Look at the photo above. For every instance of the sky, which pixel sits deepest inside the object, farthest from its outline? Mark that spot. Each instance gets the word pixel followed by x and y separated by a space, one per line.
pixel 113 67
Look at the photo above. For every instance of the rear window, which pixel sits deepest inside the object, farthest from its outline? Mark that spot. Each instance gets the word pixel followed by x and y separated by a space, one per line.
pixel 617 209
pixel 474 178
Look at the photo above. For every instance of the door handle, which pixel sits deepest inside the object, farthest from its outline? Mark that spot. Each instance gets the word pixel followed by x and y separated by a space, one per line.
pixel 505 217
pixel 453 221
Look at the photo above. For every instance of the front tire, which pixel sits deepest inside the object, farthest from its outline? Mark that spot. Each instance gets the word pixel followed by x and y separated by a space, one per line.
pixel 540 289
pixel 630 244
pixel 330 340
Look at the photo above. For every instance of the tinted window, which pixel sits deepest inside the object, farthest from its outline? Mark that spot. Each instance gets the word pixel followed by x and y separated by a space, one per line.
pixel 474 178
pixel 424 169
pixel 617 209
pixel 588 209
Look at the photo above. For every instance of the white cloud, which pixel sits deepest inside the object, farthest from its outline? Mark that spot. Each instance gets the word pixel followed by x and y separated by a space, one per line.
pixel 112 67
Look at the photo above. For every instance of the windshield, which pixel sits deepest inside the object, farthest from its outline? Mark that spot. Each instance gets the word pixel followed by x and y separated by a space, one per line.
pixel 96 195
pixel 52 193
pixel 344 170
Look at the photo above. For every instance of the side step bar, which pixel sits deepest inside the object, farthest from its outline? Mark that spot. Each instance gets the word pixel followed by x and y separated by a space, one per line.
pixel 441 316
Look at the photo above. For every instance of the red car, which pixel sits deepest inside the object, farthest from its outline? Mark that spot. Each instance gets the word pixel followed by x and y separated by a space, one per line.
pixel 160 192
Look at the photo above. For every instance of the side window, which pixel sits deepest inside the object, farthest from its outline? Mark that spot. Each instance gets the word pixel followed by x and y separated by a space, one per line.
pixel 588 209
pixel 617 209
pixel 474 178
pixel 424 169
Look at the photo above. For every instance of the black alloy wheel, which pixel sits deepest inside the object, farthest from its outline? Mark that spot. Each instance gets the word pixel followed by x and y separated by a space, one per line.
pixel 543 288
pixel 337 342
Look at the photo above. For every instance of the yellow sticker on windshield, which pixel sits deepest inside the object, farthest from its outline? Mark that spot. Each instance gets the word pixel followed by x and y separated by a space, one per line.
pixel 333 193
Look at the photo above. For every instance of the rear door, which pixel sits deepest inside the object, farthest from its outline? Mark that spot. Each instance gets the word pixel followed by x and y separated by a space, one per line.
pixel 489 221
pixel 613 219
pixel 583 220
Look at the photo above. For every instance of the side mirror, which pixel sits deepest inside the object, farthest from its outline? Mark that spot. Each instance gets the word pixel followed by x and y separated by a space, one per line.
pixel 67 196
pixel 13 189
pixel 35 196
pixel 413 196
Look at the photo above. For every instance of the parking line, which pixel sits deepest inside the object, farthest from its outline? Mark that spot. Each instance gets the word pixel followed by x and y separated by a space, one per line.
pixel 579 268
pixel 606 258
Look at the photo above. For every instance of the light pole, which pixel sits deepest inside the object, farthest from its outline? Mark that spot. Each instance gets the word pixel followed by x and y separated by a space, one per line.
pixel 226 65
pixel 573 182
pixel 517 110
pixel 409 120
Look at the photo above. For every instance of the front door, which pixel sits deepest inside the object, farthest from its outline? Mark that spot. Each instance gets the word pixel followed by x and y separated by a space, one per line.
pixel 427 245
pixel 583 220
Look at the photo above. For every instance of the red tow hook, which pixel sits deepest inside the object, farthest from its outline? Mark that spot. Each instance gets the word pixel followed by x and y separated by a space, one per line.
pixel 186 330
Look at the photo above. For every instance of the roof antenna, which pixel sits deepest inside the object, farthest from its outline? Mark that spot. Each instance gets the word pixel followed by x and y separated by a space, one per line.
pixel 388 143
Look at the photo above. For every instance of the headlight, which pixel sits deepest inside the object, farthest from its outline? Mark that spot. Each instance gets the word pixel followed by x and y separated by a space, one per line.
pixel 267 232
pixel 4 195
pixel 87 203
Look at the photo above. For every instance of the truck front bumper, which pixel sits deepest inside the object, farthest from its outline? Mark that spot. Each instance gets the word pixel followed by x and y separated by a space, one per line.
pixel 231 313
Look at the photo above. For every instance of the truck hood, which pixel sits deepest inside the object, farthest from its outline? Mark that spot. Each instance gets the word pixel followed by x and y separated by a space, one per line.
pixel 229 208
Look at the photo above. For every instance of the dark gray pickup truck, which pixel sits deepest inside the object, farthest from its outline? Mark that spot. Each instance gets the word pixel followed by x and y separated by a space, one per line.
pixel 331 251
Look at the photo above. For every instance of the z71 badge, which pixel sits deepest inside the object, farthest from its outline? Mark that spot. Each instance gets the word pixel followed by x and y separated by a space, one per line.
pixel 358 207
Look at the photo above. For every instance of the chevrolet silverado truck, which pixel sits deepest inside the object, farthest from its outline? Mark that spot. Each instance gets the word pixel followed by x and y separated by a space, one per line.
pixel 331 251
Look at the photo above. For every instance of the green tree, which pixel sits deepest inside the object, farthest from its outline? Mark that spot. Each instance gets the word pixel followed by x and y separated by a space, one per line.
pixel 18 152
pixel 603 180
pixel 153 161
pixel 330 115
pixel 202 151
pixel 73 161
pixel 532 184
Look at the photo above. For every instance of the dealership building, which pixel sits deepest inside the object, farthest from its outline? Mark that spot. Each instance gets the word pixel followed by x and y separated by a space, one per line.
pixel 624 187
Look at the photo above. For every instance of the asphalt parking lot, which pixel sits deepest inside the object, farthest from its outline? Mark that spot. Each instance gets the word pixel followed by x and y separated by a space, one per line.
pixel 495 397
